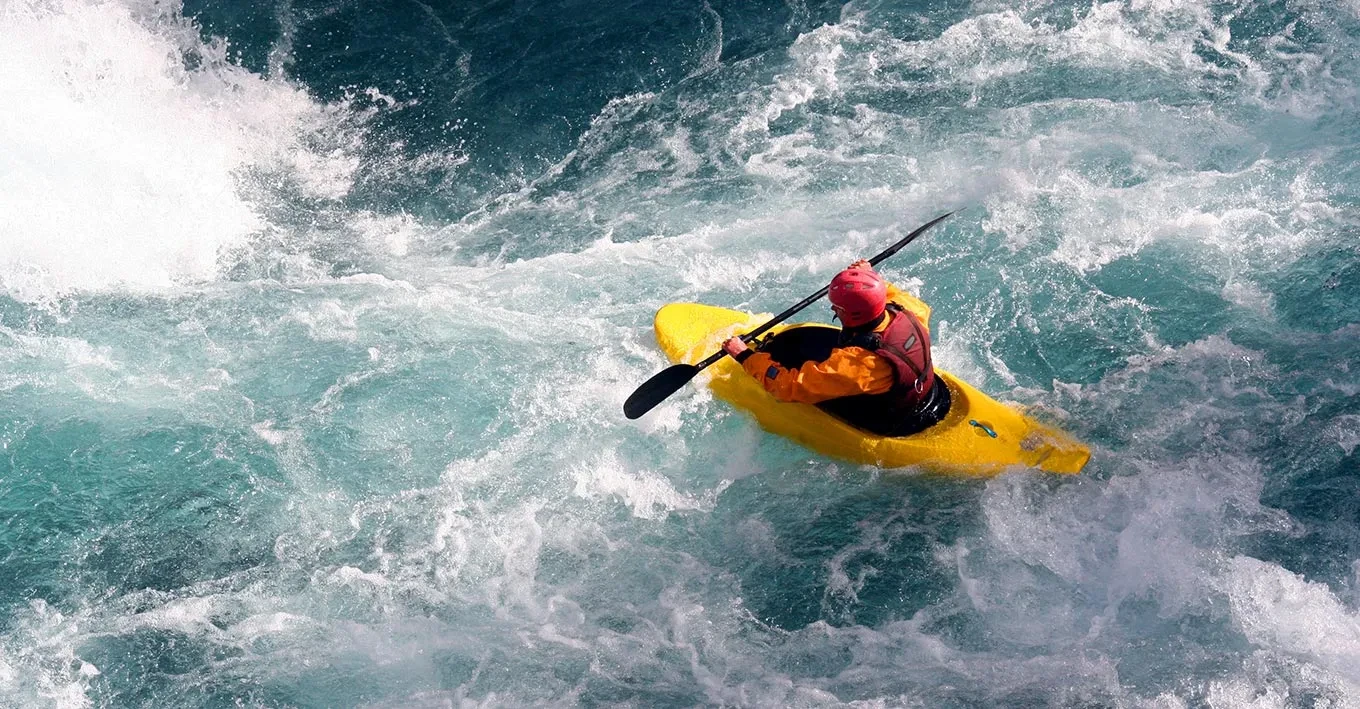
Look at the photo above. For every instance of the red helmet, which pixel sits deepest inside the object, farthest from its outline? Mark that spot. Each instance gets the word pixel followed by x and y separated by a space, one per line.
pixel 858 295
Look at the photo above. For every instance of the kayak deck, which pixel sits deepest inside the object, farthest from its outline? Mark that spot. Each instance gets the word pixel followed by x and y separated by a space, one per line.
pixel 979 437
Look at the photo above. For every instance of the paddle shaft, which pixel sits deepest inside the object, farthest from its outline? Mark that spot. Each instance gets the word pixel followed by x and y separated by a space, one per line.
pixel 818 295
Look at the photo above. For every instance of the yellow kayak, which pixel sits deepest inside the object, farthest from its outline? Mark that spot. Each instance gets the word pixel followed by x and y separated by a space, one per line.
pixel 979 437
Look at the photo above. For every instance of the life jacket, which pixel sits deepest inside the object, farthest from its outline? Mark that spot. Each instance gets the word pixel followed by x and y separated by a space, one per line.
pixel 905 344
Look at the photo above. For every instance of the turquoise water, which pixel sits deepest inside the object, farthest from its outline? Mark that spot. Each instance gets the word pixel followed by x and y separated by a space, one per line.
pixel 316 321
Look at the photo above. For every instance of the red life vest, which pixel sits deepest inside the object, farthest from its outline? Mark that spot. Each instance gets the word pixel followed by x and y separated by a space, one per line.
pixel 905 344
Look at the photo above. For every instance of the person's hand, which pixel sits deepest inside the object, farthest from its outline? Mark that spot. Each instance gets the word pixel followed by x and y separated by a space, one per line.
pixel 734 346
pixel 862 264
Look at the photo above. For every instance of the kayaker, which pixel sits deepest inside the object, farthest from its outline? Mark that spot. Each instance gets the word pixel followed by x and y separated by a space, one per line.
pixel 879 377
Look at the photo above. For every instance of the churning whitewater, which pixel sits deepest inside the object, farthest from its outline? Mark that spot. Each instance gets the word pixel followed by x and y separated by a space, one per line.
pixel 317 318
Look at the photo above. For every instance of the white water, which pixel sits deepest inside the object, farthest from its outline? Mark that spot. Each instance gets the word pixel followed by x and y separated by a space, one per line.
pixel 507 516
pixel 123 168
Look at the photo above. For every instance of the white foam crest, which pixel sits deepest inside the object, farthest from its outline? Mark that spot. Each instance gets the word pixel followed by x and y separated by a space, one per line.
pixel 330 319
pixel 767 256
pixel 38 661
pixel 679 145
pixel 649 495
pixel 782 160
pixel 815 55
pixel 120 166
pixel 320 507
pixel 952 351
pixel 987 46
pixel 594 141
pixel 68 352
pixel 518 541
pixel 1260 216
pixel 1306 81
pixel 1345 430
pixel 57 363
pixel 1163 35
pixel 1166 37
pixel 1211 351
pixel 602 282
pixel 842 591
pixel 392 234
pixel 1160 533
pixel 1000 42
pixel 1269 681
pixel 191 616
pixel 1250 296
pixel 1280 611
pixel 279 626
pixel 489 554
pixel 253 612
pixel 486 550
pixel 970 44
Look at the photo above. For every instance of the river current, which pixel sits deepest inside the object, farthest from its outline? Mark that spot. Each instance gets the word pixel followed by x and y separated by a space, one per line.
pixel 317 317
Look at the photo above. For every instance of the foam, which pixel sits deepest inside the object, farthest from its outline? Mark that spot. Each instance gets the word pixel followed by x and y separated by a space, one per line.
pixel 67 352
pixel 816 55
pixel 329 320
pixel 39 665
pixel 647 494
pixel 556 546
pixel 1345 430
pixel 1281 611
pixel 121 168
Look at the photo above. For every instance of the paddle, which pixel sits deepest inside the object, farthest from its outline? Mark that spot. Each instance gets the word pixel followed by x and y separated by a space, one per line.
pixel 669 380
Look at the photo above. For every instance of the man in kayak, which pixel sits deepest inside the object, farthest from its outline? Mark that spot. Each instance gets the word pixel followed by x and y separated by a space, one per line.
pixel 879 377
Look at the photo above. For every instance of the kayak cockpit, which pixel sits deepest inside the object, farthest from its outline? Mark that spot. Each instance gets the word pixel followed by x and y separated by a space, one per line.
pixel 793 347
pixel 802 343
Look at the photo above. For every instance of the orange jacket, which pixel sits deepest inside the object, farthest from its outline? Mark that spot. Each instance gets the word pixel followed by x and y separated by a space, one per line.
pixel 847 372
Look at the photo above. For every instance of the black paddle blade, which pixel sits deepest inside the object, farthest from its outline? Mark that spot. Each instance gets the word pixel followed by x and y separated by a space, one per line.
pixel 655 390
